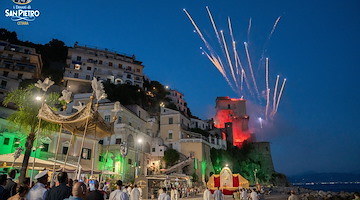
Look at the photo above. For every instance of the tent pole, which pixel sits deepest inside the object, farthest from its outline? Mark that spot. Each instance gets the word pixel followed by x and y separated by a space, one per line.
pixel 77 172
pixel 67 153
pixel 36 141
pixel 55 157
pixel 93 156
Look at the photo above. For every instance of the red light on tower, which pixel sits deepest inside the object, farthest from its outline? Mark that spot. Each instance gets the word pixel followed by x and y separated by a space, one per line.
pixel 231 116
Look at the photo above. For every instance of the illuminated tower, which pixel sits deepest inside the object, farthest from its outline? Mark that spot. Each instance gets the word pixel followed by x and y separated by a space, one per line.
pixel 231 117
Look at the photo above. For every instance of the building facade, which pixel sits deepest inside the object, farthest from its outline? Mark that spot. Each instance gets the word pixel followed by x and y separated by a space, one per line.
pixel 177 98
pixel 85 63
pixel 17 63
pixel 175 130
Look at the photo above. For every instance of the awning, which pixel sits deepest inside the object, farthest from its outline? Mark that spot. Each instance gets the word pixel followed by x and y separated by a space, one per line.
pixel 6 161
pixel 97 127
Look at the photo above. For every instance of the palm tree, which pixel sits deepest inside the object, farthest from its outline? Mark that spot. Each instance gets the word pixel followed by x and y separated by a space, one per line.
pixel 26 116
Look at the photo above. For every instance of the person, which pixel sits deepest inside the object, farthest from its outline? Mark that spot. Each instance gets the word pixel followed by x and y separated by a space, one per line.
pixel 135 193
pixel 4 193
pixel 61 191
pixel 244 194
pixel 38 192
pixel 118 194
pixel 254 195
pixel 129 190
pixel 70 183
pixel 78 192
pixel 293 196
pixel 27 181
pixel 125 189
pixel 22 190
pixel 163 195
pixel 174 194
pixel 207 194
pixel 356 196
pixel 140 190
pixel 94 193
pixel 10 183
pixel 218 195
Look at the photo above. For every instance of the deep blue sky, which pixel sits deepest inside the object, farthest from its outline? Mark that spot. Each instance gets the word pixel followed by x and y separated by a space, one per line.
pixel 316 46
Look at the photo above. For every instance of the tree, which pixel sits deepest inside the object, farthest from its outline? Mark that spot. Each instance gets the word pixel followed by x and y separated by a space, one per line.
pixel 171 156
pixel 26 117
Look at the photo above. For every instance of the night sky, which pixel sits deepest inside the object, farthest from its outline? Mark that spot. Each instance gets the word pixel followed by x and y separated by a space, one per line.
pixel 316 46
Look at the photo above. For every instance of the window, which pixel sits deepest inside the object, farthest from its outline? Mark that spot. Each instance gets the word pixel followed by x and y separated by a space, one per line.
pixel 138 70
pixel 86 154
pixel 78 58
pixel 171 120
pixel 129 161
pixel 153 150
pixel 87 77
pixel 3 84
pixel 170 135
pixel 107 118
pixel 76 75
pixel 46 147
pixel 65 150
pixel 128 76
pixel 5 73
pixel 119 120
pixel 120 66
pixel 101 141
pixel 100 62
pixel 20 76
pixel 128 68
pixel 6 141
pixel 171 146
pixel 118 141
pixel 110 64
pixel 16 142
pixel 88 68
pixel 228 106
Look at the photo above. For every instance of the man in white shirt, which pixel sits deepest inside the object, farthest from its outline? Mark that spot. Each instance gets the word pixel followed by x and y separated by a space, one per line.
pixel 38 192
pixel 174 194
pixel 218 195
pixel 254 195
pixel 207 194
pixel 244 194
pixel 118 194
pixel 135 193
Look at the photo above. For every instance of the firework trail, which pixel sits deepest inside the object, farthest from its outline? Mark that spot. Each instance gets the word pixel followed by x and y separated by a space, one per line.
pixel 267 86
pixel 251 70
pixel 274 97
pixel 248 32
pixel 274 27
pixel 214 26
pixel 281 90
pixel 228 58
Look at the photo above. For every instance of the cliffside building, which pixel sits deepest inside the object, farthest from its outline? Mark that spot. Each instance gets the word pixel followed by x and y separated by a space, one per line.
pixel 85 63
pixel 17 63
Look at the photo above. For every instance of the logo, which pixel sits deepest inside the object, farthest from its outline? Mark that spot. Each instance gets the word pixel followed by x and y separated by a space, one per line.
pixel 22 13
pixel 22 2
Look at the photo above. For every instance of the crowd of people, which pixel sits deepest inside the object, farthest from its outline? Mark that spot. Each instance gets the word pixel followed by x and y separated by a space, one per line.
pixel 65 188
pixel 241 194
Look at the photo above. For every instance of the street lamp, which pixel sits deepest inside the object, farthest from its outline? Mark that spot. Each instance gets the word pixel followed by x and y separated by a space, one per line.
pixel 138 149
